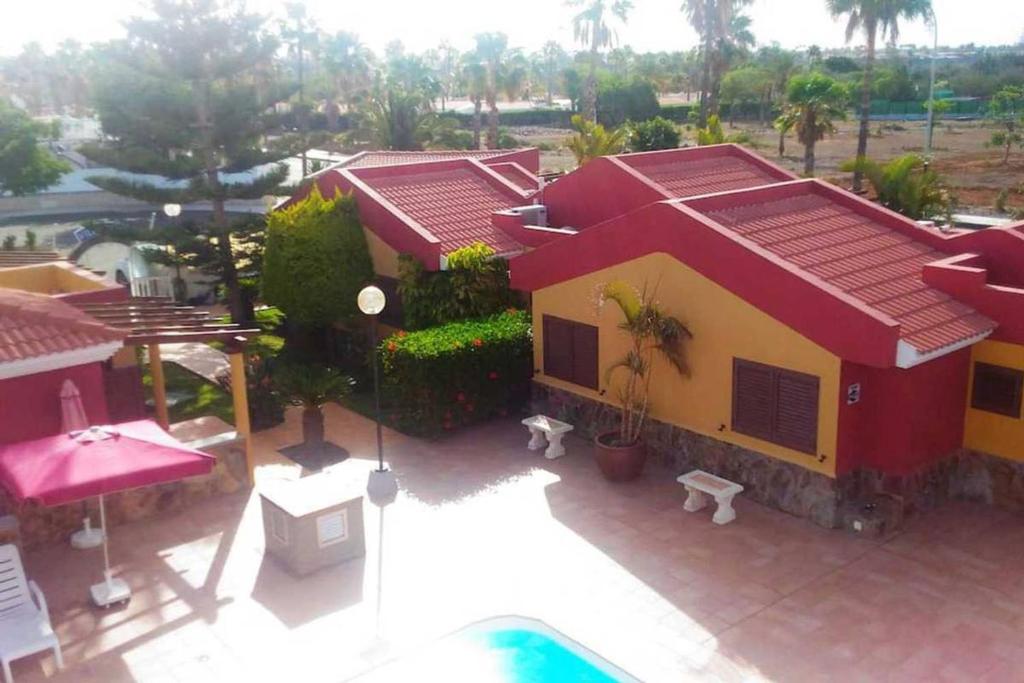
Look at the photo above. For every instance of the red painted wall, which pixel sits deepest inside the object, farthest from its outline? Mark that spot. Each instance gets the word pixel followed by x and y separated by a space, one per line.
pixel 528 158
pixel 905 418
pixel 30 405
pixel 596 192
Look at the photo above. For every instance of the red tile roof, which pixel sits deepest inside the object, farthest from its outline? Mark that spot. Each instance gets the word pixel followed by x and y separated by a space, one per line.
pixel 33 325
pixel 453 202
pixel 683 177
pixel 861 257
pixel 517 175
pixel 392 157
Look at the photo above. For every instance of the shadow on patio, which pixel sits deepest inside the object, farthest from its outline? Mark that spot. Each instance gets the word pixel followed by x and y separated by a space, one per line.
pixel 482 526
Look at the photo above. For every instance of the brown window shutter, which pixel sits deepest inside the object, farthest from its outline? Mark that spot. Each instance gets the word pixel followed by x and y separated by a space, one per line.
pixel 570 351
pixel 752 399
pixel 584 355
pixel 796 411
pixel 776 405
pixel 997 389
pixel 557 348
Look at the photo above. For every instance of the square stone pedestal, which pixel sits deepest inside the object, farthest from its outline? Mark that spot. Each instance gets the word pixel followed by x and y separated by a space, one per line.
pixel 313 522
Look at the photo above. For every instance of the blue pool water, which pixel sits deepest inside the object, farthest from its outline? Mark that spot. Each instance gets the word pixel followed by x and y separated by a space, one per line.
pixel 519 655
pixel 502 650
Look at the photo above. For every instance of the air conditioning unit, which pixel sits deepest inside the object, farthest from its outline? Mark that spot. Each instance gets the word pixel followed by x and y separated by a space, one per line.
pixel 533 214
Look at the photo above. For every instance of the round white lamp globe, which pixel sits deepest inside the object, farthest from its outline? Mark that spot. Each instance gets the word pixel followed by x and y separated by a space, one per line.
pixel 371 300
pixel 172 210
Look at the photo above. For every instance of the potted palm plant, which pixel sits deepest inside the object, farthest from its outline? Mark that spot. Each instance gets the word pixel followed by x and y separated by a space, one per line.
pixel 311 386
pixel 621 453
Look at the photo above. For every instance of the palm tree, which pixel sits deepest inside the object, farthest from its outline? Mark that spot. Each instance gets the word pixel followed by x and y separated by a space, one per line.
pixel 813 103
pixel 311 387
pixel 724 32
pixel 492 51
pixel 905 184
pixel 592 140
pixel 473 76
pixel 444 60
pixel 547 64
pixel 349 67
pixel 593 26
pixel 651 332
pixel 877 19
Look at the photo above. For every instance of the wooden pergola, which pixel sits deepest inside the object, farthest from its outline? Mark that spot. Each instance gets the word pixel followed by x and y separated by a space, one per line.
pixel 151 322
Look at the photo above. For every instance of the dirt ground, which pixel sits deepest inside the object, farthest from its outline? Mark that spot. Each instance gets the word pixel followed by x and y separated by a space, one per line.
pixel 974 172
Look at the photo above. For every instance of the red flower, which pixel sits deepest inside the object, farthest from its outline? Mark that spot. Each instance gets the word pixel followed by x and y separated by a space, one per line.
pixel 460 397
pixel 478 342
pixel 401 333
pixel 511 310
pixel 469 407
pixel 492 375
pixel 392 346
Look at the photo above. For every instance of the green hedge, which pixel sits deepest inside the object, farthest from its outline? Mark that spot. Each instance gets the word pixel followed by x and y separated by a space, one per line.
pixel 316 259
pixel 457 374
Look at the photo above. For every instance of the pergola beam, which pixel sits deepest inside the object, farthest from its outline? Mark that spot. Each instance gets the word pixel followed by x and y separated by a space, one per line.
pixel 146 337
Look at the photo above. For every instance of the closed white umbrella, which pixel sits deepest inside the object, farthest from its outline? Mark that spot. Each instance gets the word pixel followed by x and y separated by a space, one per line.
pixel 72 412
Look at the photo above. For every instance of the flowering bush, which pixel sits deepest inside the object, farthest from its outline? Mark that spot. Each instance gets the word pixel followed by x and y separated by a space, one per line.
pixel 266 406
pixel 444 377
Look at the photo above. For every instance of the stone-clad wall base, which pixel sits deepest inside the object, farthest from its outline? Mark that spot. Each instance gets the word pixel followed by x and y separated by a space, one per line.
pixel 40 526
pixel 964 475
pixel 768 480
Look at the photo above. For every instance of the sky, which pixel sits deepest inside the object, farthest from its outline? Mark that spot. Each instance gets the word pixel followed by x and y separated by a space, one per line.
pixel 419 24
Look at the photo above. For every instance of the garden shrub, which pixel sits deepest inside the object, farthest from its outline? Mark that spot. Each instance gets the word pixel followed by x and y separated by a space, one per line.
pixel 620 100
pixel 475 285
pixel 316 260
pixel 457 374
pixel 653 134
pixel 266 406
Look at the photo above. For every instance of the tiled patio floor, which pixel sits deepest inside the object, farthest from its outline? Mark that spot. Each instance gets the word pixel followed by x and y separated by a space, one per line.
pixel 484 527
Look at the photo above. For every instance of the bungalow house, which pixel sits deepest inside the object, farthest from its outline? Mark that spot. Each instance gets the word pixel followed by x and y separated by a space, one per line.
pixel 431 205
pixel 839 348
pixel 43 342
pixel 58 323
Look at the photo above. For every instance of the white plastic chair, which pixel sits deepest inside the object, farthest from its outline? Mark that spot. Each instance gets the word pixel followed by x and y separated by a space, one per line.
pixel 24 619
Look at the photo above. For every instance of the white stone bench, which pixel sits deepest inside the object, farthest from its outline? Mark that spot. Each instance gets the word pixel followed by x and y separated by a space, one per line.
pixel 698 483
pixel 541 427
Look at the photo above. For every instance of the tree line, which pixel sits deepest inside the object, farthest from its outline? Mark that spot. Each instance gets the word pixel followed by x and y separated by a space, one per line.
pixel 200 89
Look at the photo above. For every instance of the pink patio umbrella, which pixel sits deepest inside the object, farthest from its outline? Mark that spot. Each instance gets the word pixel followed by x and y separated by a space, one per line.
pixel 72 412
pixel 66 468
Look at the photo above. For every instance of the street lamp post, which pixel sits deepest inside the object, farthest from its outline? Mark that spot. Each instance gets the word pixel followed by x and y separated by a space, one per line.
pixel 931 90
pixel 382 487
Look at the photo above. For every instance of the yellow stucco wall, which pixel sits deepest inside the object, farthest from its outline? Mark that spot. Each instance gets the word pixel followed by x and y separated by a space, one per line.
pixel 989 432
pixel 39 279
pixel 385 259
pixel 49 278
pixel 724 326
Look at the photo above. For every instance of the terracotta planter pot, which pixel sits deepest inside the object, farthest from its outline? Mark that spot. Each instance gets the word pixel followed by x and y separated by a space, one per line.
pixel 312 425
pixel 619 463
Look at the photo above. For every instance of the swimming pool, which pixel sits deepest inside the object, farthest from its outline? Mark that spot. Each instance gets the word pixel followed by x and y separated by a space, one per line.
pixel 503 650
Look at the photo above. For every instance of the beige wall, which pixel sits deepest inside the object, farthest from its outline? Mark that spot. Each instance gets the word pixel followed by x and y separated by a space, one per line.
pixel 385 259
pixel 724 326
